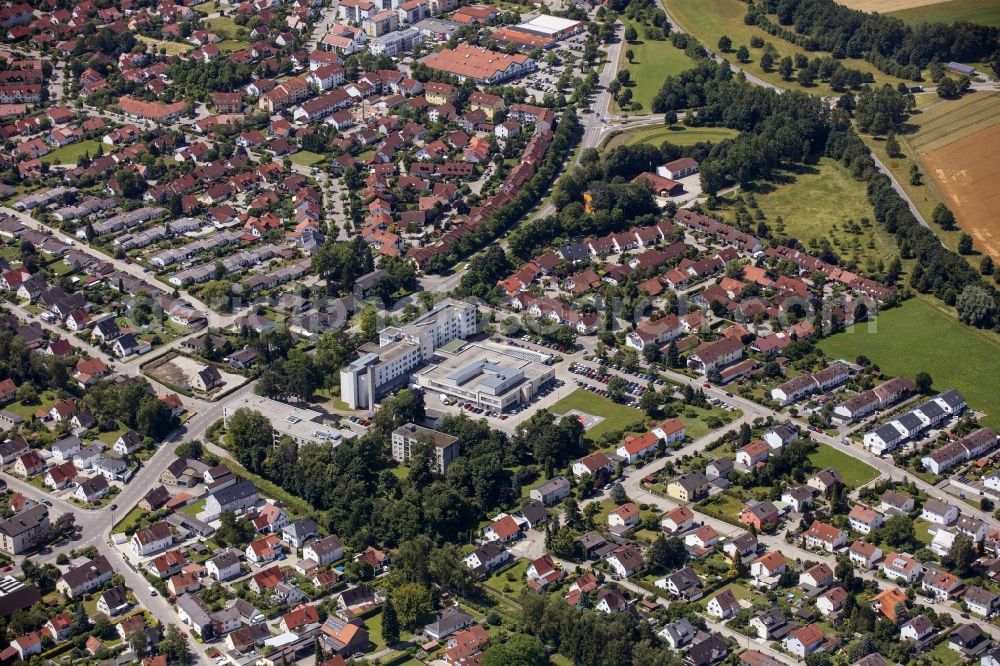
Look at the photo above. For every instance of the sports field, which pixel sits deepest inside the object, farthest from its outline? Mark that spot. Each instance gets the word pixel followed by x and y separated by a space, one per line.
pixel 982 12
pixel 921 336
pixel 956 144
pixel 710 19
pixel 652 62
pixel 678 134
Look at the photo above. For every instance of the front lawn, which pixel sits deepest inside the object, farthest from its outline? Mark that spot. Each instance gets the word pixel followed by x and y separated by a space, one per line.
pixel 616 417
pixel 854 472
pixel 923 336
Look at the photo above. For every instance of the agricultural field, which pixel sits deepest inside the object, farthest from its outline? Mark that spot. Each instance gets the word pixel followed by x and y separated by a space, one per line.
pixel 678 135
pixel 921 335
pixel 955 143
pixel 983 12
pixel 710 19
pixel 653 62
pixel 820 201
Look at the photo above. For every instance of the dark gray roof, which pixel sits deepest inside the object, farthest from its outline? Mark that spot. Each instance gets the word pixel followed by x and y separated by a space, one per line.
pixel 911 421
pixel 234 493
pixel 534 511
pixel 951 398
pixel 328 545
pixel 114 597
pixel 95 568
pixel 888 432
pixel 448 623
pixel 24 521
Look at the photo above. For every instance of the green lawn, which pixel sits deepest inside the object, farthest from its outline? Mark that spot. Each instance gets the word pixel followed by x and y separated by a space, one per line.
pixel 512 579
pixel 131 519
pixel 172 48
pixel 26 412
pixel 710 19
pixel 652 63
pixel 821 201
pixel 854 472
pixel 983 12
pixel 616 417
pixel 943 655
pixel 193 509
pixel 374 625
pixel 921 336
pixel 71 153
pixel 224 26
pixel 205 8
pixel 307 158
pixel 230 45
pixel 724 506
pixel 678 135
pixel 739 591
pixel 922 532
pixel 698 425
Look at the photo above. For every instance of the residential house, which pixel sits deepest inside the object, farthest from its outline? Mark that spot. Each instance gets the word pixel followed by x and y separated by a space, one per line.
pixel 824 536
pixel 939 512
pixel 152 539
pixel 689 487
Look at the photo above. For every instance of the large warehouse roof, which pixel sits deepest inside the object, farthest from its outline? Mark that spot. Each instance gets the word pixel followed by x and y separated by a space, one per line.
pixel 548 25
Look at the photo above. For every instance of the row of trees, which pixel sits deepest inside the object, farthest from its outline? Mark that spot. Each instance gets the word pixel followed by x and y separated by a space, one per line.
pixel 885 41
pixel 937 270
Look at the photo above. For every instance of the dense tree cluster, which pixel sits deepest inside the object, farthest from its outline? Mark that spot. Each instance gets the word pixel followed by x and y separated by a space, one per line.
pixel 885 41
pixel 360 495
pixel 134 403
pixel 196 78
pixel 592 638
pixel 775 129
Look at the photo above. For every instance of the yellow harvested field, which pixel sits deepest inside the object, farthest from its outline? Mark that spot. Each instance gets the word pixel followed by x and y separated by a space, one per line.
pixel 966 173
pixel 886 6
pixel 945 122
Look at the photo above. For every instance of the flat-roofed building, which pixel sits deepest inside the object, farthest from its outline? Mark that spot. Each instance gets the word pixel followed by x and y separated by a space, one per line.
pixel 404 349
pixel 444 447
pixel 492 377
